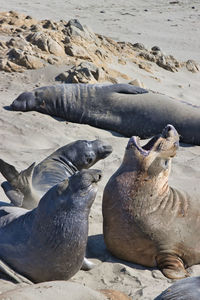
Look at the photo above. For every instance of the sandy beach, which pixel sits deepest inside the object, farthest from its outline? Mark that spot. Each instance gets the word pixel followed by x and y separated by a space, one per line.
pixel 173 26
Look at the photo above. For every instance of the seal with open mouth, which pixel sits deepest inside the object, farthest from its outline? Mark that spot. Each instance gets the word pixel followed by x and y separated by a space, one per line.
pixel 146 221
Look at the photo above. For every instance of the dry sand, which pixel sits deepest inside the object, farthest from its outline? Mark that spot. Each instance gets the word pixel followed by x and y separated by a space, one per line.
pixel 28 137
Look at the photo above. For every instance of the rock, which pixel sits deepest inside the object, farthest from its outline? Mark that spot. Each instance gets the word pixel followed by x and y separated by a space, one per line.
pixel 75 28
pixel 3 45
pixel 101 53
pixel 8 66
pixel 19 43
pixel 49 24
pixel 45 43
pixel 148 56
pixel 137 82
pixel 30 62
pixel 145 66
pixel 25 59
pixel 85 72
pixel 192 66
pixel 155 48
pixel 140 46
pixel 168 63
pixel 77 51
pixel 121 61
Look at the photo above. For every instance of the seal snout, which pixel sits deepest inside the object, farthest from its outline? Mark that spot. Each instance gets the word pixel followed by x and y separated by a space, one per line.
pixel 104 149
pixel 134 143
pixel 169 131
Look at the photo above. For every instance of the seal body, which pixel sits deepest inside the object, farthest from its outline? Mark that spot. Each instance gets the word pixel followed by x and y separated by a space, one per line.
pixel 146 221
pixel 27 187
pixel 126 109
pixel 49 242
pixel 185 289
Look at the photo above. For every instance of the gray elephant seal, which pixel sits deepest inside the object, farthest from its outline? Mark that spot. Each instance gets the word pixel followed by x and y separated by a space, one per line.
pixel 49 242
pixel 146 221
pixel 27 187
pixel 185 289
pixel 123 108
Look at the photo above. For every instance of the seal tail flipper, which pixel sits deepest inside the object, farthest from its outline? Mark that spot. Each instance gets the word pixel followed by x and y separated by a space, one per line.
pixel 18 184
pixel 8 171
pixel 171 266
pixel 15 196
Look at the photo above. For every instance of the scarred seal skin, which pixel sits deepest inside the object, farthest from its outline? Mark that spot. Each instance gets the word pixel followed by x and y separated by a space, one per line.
pixel 185 289
pixel 49 242
pixel 126 109
pixel 146 221
pixel 25 188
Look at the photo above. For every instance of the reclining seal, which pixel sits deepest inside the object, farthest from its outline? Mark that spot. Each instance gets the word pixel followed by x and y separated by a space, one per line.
pixel 146 221
pixel 27 187
pixel 49 242
pixel 126 109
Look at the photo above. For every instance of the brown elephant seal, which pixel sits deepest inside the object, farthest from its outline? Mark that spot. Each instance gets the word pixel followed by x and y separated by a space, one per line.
pixel 49 242
pixel 126 109
pixel 185 289
pixel 27 187
pixel 146 221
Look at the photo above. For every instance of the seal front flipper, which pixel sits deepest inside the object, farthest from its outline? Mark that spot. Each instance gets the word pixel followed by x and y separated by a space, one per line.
pixel 87 265
pixel 171 266
pixel 128 89
pixel 15 196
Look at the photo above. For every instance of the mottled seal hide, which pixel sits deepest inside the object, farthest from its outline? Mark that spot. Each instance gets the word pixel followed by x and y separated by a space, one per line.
pixel 146 221
pixel 185 289
pixel 123 108
pixel 27 187
pixel 49 242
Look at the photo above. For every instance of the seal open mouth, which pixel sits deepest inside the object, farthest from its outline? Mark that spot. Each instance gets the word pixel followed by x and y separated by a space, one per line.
pixel 168 133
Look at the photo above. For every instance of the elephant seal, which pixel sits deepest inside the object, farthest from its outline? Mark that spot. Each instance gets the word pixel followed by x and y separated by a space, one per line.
pixel 146 221
pixel 126 109
pixel 185 289
pixel 49 242
pixel 27 187
pixel 61 290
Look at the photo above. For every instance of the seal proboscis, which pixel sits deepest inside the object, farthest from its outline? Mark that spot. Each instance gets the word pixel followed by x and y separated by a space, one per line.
pixel 146 221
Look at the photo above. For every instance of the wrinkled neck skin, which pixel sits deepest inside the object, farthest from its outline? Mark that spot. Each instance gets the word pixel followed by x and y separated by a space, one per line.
pixel 146 184
pixel 59 100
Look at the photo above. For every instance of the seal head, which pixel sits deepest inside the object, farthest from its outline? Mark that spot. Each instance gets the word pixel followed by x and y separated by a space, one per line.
pixel 156 155
pixel 25 102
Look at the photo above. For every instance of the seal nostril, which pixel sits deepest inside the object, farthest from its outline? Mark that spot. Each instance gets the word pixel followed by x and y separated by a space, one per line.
pixel 168 128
